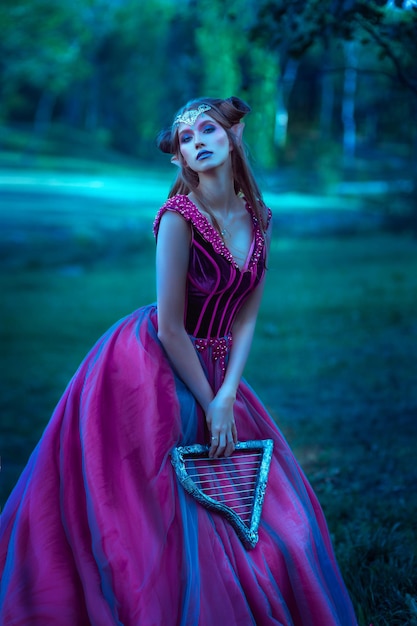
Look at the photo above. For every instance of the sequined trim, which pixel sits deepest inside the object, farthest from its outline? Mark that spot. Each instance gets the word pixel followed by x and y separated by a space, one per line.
pixel 219 346
pixel 190 212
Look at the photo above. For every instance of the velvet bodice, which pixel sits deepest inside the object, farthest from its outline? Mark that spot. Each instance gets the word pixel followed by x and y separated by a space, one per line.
pixel 216 286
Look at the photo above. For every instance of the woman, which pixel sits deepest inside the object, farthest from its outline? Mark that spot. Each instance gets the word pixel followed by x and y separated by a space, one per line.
pixel 98 530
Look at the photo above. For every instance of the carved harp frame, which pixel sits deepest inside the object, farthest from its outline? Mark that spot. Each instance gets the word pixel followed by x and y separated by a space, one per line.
pixel 246 473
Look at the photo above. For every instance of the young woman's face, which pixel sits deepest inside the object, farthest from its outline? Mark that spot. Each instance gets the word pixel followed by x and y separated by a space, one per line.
pixel 204 145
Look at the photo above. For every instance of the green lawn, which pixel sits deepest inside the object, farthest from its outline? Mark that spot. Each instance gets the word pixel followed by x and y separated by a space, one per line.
pixel 333 359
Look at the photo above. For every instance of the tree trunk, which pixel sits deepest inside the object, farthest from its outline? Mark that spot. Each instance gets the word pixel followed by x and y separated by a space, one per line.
pixel 285 86
pixel 73 105
pixel 92 117
pixel 43 114
pixel 327 100
pixel 348 104
pixel 42 120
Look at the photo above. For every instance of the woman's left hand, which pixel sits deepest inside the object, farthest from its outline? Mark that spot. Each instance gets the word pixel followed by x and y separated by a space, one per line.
pixel 222 427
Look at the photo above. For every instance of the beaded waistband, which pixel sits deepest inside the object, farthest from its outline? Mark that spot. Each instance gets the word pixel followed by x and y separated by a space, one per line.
pixel 219 346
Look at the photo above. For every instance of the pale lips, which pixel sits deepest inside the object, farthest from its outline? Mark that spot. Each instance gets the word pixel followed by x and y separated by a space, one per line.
pixel 203 154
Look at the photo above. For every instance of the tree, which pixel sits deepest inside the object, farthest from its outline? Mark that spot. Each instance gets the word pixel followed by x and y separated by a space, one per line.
pixel 227 66
pixel 43 54
pixel 291 27
pixel 296 27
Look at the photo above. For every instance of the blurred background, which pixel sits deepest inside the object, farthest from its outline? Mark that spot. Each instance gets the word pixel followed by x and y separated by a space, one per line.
pixel 85 87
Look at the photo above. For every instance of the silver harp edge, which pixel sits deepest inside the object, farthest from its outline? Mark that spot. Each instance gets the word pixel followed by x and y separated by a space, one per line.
pixel 247 533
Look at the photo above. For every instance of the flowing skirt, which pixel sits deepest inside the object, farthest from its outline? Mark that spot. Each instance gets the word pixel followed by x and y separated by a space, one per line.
pixel 99 531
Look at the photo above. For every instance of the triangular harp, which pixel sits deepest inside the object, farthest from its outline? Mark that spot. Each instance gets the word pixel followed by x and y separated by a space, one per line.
pixel 233 486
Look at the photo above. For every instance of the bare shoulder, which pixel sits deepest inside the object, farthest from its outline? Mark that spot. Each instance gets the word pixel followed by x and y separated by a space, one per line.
pixel 174 219
pixel 174 235
pixel 174 222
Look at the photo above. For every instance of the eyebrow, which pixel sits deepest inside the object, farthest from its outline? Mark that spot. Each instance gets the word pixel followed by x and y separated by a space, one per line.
pixel 198 124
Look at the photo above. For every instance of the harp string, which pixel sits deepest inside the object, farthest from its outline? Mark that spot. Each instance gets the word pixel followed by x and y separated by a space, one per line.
pixel 222 483
pixel 241 480
pixel 240 457
pixel 230 481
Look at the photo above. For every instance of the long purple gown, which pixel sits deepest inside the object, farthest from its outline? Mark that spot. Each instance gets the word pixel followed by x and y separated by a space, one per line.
pixel 99 531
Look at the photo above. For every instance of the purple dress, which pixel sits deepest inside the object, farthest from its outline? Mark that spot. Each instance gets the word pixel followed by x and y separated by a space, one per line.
pixel 99 531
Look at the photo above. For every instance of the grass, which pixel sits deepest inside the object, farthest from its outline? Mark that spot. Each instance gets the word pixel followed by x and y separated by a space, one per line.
pixel 333 359
pixel 339 323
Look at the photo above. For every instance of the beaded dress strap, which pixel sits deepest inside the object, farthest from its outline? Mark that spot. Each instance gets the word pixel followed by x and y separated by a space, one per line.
pixel 183 205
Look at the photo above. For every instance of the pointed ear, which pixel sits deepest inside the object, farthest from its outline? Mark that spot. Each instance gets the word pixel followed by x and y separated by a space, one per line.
pixel 237 130
pixel 175 161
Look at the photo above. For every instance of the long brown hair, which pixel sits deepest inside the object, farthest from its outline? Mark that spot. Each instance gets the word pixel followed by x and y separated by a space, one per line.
pixel 227 113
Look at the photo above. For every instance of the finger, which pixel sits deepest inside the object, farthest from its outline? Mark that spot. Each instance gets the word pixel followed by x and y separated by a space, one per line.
pixel 213 446
pixel 221 446
pixel 234 433
pixel 230 446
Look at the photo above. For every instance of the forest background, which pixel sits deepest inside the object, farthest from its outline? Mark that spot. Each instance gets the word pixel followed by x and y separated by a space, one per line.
pixel 86 85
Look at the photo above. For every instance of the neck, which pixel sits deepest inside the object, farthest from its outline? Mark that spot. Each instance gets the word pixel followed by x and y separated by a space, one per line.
pixel 218 193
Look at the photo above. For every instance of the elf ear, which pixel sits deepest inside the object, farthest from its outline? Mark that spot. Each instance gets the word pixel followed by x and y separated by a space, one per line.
pixel 175 161
pixel 237 130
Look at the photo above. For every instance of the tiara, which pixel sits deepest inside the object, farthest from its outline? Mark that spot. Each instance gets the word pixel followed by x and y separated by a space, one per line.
pixel 189 117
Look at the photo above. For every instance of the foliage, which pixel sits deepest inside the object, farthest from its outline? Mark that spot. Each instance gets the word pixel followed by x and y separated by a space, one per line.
pixel 292 28
pixel 119 69
pixel 223 22
pixel 347 70
pixel 42 53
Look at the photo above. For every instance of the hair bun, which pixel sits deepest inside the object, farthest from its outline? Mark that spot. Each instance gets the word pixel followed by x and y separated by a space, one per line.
pixel 164 141
pixel 233 109
pixel 239 104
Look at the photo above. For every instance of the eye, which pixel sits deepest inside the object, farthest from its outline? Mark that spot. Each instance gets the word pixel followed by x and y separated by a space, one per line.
pixel 209 128
pixel 185 138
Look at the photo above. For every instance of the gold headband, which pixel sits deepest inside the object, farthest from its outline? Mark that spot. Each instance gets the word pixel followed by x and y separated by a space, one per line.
pixel 189 117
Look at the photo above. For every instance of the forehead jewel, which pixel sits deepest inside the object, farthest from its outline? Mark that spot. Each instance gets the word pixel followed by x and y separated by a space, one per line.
pixel 189 117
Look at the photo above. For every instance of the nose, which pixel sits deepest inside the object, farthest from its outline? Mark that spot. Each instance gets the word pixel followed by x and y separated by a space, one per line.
pixel 198 140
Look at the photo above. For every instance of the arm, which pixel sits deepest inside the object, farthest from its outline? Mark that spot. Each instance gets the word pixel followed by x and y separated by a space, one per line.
pixel 220 412
pixel 172 257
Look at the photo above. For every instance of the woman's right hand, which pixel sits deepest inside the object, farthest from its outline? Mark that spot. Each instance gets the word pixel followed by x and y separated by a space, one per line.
pixel 222 427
